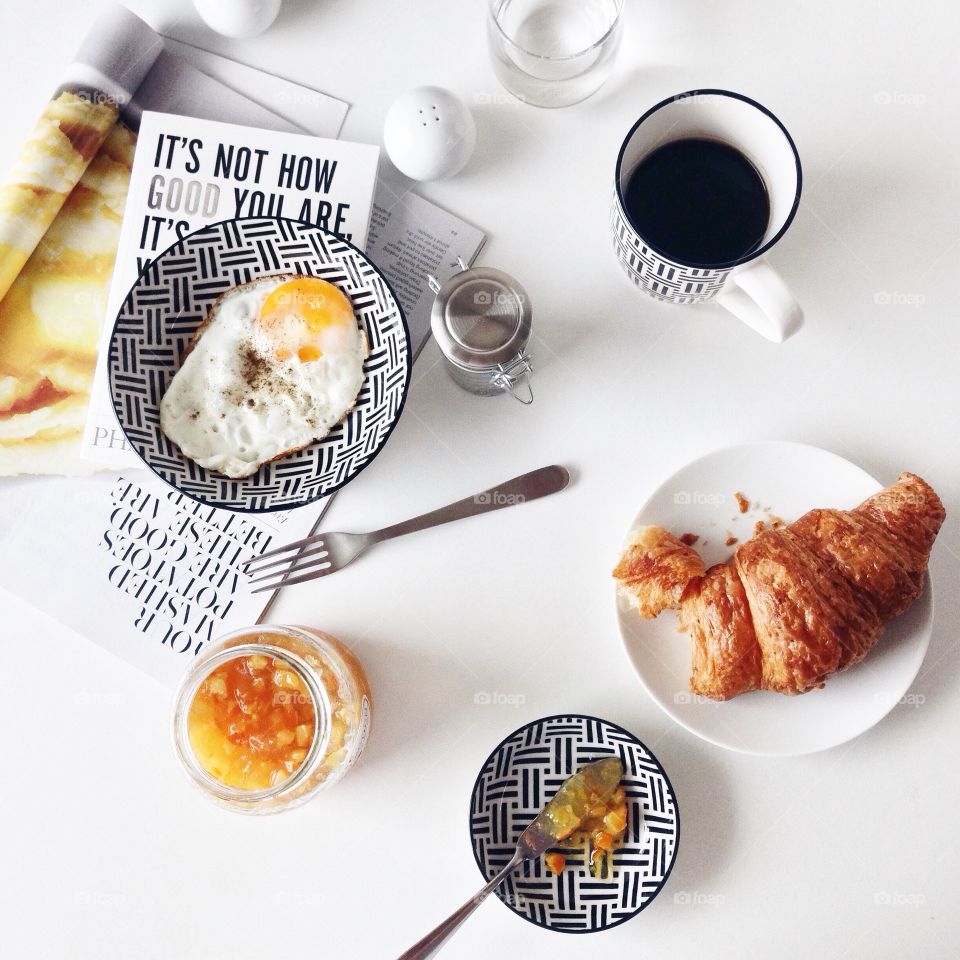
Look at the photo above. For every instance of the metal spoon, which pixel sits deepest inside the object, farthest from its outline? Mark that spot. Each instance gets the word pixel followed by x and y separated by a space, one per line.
pixel 556 821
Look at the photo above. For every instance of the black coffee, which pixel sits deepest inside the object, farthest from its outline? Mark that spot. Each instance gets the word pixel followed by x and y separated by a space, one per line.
pixel 698 202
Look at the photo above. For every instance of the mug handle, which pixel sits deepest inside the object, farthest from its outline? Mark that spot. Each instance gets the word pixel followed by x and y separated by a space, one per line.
pixel 757 296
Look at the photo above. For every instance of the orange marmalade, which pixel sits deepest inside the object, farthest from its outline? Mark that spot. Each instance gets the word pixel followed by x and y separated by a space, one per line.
pixel 252 721
pixel 268 716
pixel 601 830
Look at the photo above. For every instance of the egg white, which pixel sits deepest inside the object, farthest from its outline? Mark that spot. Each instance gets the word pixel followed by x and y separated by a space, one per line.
pixel 232 406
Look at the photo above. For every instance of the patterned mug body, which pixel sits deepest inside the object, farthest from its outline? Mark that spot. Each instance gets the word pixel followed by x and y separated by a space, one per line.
pixel 748 287
pixel 655 274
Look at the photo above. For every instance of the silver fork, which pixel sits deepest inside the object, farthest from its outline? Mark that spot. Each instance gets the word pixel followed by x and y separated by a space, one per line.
pixel 327 553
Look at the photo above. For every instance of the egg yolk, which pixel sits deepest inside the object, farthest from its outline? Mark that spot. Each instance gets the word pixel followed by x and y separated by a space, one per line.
pixel 306 317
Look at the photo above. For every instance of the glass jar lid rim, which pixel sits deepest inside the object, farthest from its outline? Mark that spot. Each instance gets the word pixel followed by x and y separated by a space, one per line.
pixel 481 317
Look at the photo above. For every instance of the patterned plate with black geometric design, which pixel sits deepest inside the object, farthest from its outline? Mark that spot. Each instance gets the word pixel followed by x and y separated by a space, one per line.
pixel 518 779
pixel 171 298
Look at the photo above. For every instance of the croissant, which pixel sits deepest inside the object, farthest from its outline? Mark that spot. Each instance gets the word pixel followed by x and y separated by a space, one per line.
pixel 654 569
pixel 794 604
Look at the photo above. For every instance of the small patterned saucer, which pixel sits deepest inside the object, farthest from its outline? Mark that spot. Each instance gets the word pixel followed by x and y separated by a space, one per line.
pixel 523 773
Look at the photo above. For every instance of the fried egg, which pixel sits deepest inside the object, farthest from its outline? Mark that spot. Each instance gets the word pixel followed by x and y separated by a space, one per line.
pixel 276 365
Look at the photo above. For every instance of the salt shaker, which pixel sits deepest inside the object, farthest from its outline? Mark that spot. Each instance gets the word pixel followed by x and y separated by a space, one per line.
pixel 481 322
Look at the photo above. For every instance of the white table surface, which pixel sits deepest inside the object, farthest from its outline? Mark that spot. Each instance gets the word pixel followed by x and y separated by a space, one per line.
pixel 850 853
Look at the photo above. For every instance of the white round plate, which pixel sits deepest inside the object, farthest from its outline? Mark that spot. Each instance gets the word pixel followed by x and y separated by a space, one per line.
pixel 788 478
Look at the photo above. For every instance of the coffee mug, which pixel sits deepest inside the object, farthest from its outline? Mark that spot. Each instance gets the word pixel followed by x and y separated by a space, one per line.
pixel 747 286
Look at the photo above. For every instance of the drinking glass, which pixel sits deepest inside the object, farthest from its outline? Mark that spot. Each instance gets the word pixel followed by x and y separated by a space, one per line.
pixel 552 53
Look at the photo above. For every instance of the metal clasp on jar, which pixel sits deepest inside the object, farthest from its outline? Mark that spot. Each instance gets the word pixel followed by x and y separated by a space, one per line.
pixel 508 375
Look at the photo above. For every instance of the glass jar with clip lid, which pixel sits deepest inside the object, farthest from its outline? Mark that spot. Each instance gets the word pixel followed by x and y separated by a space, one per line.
pixel 481 321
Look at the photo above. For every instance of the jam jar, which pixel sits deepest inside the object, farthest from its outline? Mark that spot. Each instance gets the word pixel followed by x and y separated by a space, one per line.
pixel 270 715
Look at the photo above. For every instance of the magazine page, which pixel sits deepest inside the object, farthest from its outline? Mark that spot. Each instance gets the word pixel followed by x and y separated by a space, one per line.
pixel 140 569
pixel 411 239
pixel 188 173
pixel 304 108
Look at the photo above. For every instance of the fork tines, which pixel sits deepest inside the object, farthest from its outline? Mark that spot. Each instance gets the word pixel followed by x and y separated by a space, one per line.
pixel 293 560
pixel 254 566
pixel 286 548
pixel 309 570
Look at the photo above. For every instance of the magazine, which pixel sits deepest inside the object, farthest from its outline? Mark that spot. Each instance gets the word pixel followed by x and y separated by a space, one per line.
pixel 152 576
pixel 121 557
pixel 57 253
